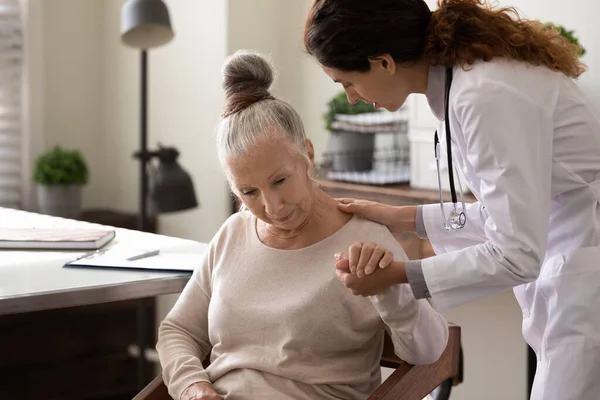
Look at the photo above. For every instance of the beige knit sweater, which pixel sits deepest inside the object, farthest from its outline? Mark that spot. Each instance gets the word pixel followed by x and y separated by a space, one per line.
pixel 282 326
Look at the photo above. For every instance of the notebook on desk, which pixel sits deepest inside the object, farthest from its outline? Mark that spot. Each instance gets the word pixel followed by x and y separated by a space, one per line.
pixel 54 238
pixel 115 258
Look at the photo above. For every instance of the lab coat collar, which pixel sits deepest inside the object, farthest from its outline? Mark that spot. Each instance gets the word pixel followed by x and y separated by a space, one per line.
pixel 435 90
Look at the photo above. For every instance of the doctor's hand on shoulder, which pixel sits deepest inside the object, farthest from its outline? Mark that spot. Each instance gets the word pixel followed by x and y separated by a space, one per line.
pixel 398 219
pixel 200 391
pixel 368 269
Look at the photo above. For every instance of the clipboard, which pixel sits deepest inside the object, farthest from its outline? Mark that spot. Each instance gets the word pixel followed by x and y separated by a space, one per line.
pixel 115 258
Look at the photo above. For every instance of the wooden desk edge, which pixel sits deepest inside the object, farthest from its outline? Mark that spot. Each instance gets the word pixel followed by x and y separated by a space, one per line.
pixel 93 295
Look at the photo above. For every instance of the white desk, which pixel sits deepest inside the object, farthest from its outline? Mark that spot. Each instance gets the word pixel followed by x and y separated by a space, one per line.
pixel 36 280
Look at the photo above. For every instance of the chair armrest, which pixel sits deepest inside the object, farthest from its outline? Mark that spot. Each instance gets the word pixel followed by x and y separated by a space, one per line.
pixel 415 382
pixel 155 390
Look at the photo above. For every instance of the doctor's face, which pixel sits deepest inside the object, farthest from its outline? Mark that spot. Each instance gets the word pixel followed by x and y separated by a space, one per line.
pixel 274 182
pixel 386 85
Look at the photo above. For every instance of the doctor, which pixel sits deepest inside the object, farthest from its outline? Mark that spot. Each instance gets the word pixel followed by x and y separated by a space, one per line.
pixel 526 140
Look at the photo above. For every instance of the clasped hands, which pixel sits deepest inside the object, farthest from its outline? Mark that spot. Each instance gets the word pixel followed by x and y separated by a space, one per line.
pixel 368 269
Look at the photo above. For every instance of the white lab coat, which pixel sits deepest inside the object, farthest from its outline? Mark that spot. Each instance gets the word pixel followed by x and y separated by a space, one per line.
pixel 528 144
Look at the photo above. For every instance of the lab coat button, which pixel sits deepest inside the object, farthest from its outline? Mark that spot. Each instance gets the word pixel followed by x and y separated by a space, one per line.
pixel 525 313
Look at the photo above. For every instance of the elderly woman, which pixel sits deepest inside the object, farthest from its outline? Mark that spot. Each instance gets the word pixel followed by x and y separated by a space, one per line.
pixel 266 303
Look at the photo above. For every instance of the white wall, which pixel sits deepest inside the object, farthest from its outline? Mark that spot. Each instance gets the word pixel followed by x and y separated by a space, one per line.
pixel 252 34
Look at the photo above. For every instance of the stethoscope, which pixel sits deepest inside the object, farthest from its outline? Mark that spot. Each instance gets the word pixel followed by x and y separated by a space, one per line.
pixel 456 219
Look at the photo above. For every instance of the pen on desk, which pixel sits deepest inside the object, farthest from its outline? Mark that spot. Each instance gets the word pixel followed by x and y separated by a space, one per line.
pixel 144 255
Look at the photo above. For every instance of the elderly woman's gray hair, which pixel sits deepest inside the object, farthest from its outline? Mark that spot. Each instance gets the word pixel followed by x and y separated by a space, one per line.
pixel 251 114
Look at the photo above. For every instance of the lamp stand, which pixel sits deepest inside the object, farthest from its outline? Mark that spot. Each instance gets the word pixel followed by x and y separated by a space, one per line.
pixel 143 152
pixel 144 157
pixel 146 25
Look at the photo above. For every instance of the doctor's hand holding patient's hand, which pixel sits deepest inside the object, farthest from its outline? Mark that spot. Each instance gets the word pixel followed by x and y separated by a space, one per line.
pixel 200 391
pixel 368 269
pixel 398 219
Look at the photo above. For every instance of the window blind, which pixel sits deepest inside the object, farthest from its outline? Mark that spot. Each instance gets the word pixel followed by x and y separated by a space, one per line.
pixel 11 75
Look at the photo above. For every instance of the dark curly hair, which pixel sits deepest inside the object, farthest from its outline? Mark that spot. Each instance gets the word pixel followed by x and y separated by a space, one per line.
pixel 343 34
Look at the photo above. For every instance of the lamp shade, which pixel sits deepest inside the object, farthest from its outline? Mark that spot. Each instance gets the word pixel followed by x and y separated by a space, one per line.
pixel 145 24
pixel 171 187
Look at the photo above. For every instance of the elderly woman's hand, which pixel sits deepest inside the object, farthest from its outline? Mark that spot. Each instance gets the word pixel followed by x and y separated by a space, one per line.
pixel 380 269
pixel 200 391
pixel 371 284
pixel 365 258
pixel 398 219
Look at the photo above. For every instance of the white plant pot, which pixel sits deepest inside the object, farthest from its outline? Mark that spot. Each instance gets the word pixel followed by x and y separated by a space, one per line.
pixel 60 200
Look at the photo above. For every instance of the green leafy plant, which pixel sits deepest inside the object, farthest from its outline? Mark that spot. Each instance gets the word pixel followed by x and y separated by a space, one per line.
pixel 570 36
pixel 339 105
pixel 60 167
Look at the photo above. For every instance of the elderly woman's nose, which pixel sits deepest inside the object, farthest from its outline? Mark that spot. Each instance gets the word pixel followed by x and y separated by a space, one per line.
pixel 273 204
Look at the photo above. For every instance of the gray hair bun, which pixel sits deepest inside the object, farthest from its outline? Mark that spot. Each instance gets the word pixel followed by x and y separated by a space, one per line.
pixel 247 78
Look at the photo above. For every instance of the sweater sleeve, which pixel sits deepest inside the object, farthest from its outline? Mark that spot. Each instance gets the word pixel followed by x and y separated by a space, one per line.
pixel 419 332
pixel 183 335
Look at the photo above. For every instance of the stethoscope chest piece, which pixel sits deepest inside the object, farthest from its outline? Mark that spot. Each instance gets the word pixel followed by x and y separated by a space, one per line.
pixel 457 220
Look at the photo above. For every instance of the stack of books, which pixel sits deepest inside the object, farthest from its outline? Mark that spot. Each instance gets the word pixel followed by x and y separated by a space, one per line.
pixel 55 238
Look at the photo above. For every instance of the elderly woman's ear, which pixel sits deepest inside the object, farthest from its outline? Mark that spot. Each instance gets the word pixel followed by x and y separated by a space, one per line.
pixel 310 150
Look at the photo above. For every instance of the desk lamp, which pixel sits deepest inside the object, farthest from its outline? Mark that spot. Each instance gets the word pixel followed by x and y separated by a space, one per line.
pixel 146 24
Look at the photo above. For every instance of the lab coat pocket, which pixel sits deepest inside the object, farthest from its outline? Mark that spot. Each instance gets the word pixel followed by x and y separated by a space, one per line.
pixel 572 296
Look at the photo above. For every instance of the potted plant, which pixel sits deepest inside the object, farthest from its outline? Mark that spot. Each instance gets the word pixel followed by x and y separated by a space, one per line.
pixel 570 36
pixel 60 175
pixel 349 150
